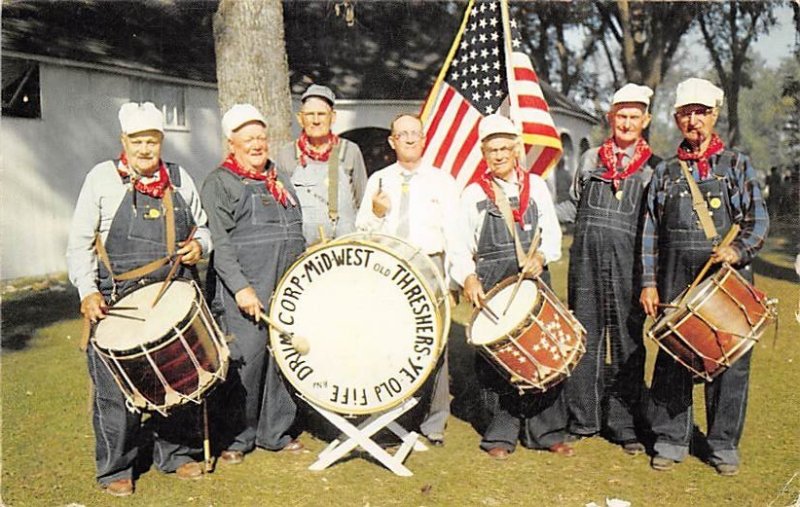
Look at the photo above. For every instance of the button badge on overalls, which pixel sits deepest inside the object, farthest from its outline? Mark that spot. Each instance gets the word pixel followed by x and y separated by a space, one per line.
pixel 715 202
pixel 618 195
pixel 153 214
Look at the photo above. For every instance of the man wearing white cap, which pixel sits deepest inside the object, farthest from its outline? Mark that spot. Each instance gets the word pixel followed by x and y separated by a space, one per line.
pixel 485 255
pixel 123 210
pixel 327 171
pixel 255 222
pixel 675 248
pixel 604 391
pixel 419 204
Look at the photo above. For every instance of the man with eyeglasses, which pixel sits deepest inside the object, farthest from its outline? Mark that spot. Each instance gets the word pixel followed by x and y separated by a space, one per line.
pixel 327 171
pixel 489 256
pixel 674 250
pixel 418 203
pixel 607 197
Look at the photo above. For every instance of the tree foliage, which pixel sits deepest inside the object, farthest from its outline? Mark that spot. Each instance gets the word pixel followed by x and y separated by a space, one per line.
pixel 728 30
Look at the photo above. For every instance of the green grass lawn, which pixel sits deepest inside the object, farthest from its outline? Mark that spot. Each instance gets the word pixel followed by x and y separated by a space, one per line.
pixel 48 446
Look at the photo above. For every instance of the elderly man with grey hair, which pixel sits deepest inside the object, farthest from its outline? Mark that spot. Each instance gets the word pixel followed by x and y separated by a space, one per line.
pixel 327 171
pixel 675 247
pixel 120 219
pixel 255 220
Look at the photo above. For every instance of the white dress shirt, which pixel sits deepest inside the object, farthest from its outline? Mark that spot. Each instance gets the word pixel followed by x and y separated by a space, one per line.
pixel 100 197
pixel 463 264
pixel 433 207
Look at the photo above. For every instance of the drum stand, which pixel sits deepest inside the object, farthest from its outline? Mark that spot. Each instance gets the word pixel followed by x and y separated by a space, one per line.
pixel 361 436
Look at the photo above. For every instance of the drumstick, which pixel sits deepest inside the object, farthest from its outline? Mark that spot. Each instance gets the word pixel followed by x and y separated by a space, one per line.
pixel 122 316
pixel 489 312
pixel 531 249
pixel 172 270
pixel 206 439
pixel 729 237
pixel 299 343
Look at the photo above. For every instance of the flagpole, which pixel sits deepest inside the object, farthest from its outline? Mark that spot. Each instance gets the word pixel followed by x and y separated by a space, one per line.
pixel 438 83
pixel 513 102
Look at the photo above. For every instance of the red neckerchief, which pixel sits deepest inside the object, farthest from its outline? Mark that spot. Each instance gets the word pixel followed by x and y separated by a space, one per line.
pixel 308 150
pixel 715 146
pixel 485 182
pixel 155 188
pixel 269 177
pixel 641 154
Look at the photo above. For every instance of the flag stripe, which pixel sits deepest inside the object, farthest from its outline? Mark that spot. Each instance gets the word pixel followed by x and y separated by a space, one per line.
pixel 448 139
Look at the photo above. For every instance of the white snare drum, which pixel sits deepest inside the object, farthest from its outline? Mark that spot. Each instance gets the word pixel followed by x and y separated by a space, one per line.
pixel 374 312
pixel 537 343
pixel 165 356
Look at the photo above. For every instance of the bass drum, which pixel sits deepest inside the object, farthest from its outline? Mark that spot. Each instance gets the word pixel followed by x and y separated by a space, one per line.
pixel 372 313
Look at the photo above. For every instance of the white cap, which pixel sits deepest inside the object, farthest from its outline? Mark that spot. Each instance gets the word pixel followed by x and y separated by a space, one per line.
pixel 698 91
pixel 496 124
pixel 633 93
pixel 238 115
pixel 320 91
pixel 135 117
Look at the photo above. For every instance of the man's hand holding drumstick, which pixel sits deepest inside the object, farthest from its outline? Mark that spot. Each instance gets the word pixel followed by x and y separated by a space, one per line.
pixel 381 204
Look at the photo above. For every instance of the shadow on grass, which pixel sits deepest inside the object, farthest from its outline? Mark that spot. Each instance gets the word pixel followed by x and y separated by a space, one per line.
pixel 25 315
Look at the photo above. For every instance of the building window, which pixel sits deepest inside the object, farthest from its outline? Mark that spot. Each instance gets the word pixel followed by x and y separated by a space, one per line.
pixel 168 97
pixel 21 94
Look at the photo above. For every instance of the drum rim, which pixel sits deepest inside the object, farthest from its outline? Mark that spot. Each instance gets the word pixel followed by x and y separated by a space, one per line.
pixel 526 322
pixel 443 323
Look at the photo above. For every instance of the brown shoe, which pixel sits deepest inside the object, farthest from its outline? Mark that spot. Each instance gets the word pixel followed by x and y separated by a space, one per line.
pixel 293 446
pixel 120 487
pixel 562 449
pixel 232 457
pixel 189 471
pixel 498 453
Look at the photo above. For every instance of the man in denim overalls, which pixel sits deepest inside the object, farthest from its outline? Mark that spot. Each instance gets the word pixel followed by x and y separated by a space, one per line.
pixel 121 204
pixel 255 220
pixel 605 389
pixel 674 250
pixel 486 254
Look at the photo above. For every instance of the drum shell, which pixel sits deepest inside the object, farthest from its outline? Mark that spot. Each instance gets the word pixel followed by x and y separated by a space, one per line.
pixel 543 349
pixel 717 323
pixel 190 359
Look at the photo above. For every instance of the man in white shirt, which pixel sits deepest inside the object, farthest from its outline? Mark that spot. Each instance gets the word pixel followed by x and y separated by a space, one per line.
pixel 417 203
pixel 492 255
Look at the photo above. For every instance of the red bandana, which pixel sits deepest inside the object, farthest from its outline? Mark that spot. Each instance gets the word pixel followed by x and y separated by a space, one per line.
pixel 715 146
pixel 155 188
pixel 269 177
pixel 308 150
pixel 641 154
pixel 485 182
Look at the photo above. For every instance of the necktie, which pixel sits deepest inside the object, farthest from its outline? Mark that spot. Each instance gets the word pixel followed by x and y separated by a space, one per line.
pixel 405 194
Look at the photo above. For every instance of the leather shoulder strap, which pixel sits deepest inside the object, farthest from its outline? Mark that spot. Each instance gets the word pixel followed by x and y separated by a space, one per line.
pixel 333 184
pixel 508 217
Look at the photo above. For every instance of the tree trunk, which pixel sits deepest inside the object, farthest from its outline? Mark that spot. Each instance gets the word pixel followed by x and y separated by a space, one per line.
pixel 251 62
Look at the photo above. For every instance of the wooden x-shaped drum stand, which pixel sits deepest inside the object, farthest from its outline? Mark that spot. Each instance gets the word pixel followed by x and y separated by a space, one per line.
pixel 361 435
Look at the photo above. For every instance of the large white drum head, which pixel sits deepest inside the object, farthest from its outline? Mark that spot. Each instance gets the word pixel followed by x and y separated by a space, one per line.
pixel 371 323
pixel 485 331
pixel 124 334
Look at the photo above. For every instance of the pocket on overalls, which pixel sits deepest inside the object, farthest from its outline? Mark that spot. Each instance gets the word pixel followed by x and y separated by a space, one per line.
pixel 680 214
pixel 147 224
pixel 265 209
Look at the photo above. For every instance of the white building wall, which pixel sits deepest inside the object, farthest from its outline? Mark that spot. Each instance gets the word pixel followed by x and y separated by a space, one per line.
pixel 43 161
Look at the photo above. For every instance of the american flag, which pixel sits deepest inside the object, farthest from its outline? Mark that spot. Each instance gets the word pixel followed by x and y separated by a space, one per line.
pixel 486 72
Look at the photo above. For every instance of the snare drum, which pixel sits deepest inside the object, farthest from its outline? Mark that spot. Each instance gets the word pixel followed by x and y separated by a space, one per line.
pixel 536 343
pixel 719 320
pixel 164 356
pixel 374 313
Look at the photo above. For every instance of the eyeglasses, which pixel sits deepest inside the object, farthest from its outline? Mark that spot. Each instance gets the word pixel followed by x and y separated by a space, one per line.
pixel 502 151
pixel 700 112
pixel 408 136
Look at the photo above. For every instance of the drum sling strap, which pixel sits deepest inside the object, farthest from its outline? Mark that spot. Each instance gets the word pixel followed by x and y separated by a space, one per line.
pixel 508 217
pixel 699 204
pixel 148 268
pixel 333 184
